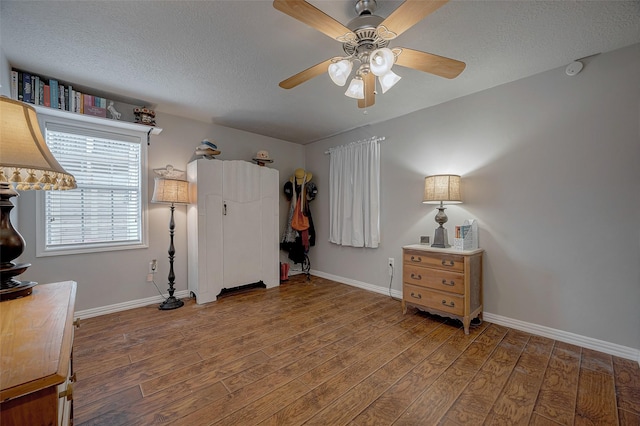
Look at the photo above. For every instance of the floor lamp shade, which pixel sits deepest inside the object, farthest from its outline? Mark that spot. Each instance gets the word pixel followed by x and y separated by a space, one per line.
pixel 25 163
pixel 171 191
pixel 441 189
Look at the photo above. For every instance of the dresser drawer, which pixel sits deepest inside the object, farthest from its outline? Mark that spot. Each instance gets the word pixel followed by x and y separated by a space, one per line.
pixel 441 301
pixel 432 278
pixel 450 262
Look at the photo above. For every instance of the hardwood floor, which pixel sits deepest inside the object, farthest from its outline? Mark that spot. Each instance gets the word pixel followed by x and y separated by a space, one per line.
pixel 323 353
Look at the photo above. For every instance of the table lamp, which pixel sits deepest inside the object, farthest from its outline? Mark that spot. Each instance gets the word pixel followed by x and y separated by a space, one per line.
pixel 25 164
pixel 440 189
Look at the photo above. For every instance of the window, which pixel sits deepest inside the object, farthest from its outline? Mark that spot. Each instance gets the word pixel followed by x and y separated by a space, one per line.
pixel 354 194
pixel 107 211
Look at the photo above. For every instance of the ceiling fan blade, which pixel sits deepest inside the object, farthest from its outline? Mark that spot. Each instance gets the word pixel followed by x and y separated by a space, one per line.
pixel 314 17
pixel 428 62
pixel 406 16
pixel 369 91
pixel 305 75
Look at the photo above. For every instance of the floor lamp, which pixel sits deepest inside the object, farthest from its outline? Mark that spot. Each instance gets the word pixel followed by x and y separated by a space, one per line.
pixel 25 164
pixel 171 191
pixel 440 189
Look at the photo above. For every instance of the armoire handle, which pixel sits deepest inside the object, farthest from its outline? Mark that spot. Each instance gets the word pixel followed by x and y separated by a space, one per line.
pixel 224 209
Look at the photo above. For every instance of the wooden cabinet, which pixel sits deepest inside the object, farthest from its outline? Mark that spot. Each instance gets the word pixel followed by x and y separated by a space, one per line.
pixel 443 281
pixel 36 371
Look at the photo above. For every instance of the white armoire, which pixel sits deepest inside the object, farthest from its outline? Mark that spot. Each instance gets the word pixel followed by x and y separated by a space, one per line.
pixel 232 227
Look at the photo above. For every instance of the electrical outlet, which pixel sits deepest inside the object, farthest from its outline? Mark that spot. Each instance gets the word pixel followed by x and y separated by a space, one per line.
pixel 391 264
pixel 153 266
pixel 150 277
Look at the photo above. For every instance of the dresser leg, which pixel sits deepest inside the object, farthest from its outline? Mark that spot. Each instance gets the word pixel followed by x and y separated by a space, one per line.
pixel 404 308
pixel 466 321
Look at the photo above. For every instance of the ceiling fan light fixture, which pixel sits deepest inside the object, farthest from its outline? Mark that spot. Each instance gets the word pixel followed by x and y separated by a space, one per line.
pixel 388 80
pixel 339 71
pixel 381 61
pixel 356 88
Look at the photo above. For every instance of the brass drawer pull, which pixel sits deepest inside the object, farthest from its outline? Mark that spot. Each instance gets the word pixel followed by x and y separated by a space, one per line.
pixel 73 377
pixel 68 393
pixel 416 259
pixel 417 296
pixel 450 283
pixel 416 277
pixel 450 304
pixel 444 263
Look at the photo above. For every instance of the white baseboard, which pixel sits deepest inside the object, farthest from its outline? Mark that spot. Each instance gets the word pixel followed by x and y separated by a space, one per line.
pixel 376 289
pixel 539 330
pixel 110 309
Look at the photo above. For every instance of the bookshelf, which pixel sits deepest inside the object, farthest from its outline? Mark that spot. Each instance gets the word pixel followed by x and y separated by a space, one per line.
pixel 59 98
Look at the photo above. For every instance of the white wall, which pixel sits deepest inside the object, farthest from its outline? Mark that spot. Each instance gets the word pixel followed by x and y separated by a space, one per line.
pixel 120 276
pixel 550 168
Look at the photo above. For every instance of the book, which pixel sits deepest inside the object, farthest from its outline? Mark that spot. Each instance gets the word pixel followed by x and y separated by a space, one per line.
pixel 41 92
pixel 14 84
pixel 55 93
pixel 46 90
pixel 62 99
pixel 35 89
pixel 26 87
pixel 20 86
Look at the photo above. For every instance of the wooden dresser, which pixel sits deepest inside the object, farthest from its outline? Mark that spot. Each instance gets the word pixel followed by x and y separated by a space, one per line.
pixel 35 348
pixel 445 282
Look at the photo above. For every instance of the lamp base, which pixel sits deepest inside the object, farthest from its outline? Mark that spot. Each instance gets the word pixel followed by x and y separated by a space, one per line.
pixel 171 303
pixel 440 239
pixel 22 289
pixel 10 288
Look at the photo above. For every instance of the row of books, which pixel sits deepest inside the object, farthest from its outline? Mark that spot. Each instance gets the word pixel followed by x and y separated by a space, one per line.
pixel 51 93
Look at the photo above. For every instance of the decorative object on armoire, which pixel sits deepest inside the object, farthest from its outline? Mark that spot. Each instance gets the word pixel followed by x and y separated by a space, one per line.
pixel 207 149
pixel 445 282
pixel 299 234
pixel 145 116
pixel 440 189
pixel 365 40
pixel 262 158
pixel 171 191
pixel 27 164
pixel 232 227
pixel 170 172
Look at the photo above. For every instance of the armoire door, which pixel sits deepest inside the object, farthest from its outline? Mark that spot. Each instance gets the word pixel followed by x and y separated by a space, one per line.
pixel 242 224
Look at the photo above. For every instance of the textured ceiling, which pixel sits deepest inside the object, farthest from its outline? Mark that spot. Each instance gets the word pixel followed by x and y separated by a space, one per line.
pixel 221 61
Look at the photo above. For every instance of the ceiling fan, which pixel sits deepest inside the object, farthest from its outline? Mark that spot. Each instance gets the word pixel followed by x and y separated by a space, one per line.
pixel 365 40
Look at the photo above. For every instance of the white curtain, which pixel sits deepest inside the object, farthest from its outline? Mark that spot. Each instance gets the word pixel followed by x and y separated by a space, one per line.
pixel 354 192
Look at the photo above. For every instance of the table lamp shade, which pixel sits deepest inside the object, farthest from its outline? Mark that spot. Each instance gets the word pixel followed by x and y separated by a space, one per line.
pixel 172 191
pixel 442 188
pixel 25 159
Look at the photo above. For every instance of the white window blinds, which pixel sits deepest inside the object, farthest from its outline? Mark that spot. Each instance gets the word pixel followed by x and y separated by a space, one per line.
pixel 106 210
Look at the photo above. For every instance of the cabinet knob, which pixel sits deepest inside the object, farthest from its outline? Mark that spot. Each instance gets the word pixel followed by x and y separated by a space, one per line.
pixel 416 259
pixel 416 296
pixel 447 263
pixel 76 323
pixel 416 277
pixel 450 304
pixel 450 283
pixel 68 393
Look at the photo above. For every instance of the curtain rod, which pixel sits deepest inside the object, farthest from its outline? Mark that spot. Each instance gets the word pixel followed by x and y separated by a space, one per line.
pixel 371 139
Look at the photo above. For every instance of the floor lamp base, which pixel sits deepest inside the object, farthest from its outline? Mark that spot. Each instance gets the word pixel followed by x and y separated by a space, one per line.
pixel 171 303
